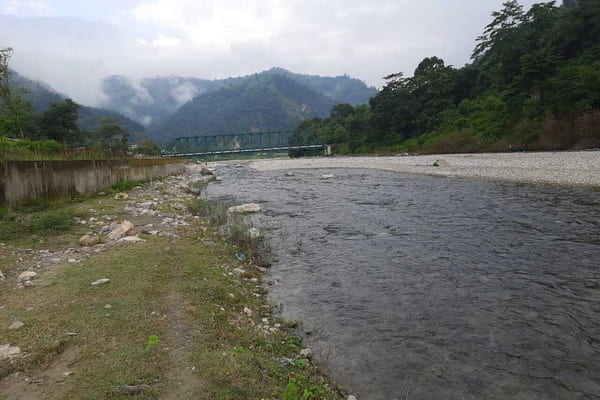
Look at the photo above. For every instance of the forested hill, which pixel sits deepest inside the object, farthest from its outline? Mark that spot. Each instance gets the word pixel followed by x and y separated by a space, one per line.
pixel 42 95
pixel 264 102
pixel 533 84
pixel 150 101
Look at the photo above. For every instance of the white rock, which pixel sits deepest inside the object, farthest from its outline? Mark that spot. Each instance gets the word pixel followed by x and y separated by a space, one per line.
pixel 327 176
pixel 131 239
pixel 16 325
pixel 306 353
pixel 72 261
pixel 100 281
pixel 9 351
pixel 121 196
pixel 26 276
pixel 441 163
pixel 254 233
pixel 351 397
pixel 244 208
pixel 121 229
pixel 2 276
pixel 248 311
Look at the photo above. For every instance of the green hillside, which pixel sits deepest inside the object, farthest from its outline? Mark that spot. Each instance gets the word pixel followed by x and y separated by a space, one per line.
pixel 152 100
pixel 265 102
pixel 533 84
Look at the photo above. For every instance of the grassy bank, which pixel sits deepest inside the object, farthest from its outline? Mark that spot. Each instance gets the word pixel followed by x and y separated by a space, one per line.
pixel 181 319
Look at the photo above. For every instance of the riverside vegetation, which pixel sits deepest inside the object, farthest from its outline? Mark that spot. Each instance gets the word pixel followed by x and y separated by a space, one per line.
pixel 167 311
pixel 533 84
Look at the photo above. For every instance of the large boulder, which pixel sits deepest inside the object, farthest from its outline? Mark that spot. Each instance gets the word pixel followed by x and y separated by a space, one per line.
pixel 89 240
pixel 121 229
pixel 441 163
pixel 244 209
pixel 205 171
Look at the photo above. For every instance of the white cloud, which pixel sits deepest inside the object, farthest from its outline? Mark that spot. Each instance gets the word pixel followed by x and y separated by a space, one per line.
pixel 221 38
pixel 29 7
pixel 161 41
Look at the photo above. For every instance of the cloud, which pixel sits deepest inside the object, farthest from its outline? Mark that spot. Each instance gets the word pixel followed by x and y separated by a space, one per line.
pixel 29 7
pixel 161 41
pixel 221 38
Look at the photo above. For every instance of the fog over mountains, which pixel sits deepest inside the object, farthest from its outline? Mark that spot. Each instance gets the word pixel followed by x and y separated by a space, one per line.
pixel 274 99
pixel 162 108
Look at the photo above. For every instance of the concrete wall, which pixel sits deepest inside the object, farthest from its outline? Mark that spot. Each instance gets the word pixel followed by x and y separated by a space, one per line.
pixel 30 180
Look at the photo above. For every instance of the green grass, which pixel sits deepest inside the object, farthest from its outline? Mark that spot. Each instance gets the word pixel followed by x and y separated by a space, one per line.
pixel 157 289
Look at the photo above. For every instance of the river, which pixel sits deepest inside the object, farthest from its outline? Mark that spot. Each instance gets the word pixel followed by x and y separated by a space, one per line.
pixel 417 287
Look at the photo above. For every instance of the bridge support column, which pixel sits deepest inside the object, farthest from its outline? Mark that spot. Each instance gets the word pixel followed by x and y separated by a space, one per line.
pixel 327 150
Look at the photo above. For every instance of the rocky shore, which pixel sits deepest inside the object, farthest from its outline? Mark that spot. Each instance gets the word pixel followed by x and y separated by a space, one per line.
pixel 581 168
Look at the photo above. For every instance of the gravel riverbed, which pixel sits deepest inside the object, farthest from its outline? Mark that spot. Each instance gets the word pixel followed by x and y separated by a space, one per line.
pixel 581 168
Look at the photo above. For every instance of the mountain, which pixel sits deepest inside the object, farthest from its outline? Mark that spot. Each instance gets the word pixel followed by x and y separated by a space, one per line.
pixel 152 100
pixel 260 103
pixel 41 95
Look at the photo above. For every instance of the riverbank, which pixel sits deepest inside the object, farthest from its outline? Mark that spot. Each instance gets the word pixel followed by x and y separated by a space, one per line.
pixel 580 168
pixel 152 303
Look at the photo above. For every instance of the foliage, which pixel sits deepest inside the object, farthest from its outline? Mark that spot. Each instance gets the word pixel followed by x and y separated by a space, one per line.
pixel 532 71
pixel 41 219
pixel 149 148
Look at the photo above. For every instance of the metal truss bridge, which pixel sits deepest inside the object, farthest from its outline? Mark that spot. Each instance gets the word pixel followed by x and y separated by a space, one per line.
pixel 251 142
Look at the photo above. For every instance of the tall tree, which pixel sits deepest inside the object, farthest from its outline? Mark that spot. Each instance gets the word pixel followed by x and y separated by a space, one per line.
pixel 16 118
pixel 59 122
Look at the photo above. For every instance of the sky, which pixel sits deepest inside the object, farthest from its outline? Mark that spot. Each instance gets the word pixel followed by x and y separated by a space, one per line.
pixel 73 44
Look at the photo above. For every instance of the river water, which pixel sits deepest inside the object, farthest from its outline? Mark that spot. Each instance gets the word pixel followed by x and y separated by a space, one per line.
pixel 416 287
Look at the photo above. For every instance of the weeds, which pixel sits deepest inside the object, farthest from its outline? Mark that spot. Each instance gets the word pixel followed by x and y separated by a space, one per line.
pixel 36 219
pixel 235 228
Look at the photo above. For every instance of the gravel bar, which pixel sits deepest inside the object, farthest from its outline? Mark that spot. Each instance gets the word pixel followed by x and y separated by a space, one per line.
pixel 578 168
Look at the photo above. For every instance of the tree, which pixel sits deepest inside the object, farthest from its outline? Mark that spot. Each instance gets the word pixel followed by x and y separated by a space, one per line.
pixel 16 115
pixel 59 122
pixel 112 136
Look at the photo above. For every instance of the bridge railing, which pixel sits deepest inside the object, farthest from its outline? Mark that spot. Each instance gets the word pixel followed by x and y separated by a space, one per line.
pixel 236 143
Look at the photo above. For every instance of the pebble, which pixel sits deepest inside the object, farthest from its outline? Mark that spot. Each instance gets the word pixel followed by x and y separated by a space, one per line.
pixel 16 325
pixel 27 276
pixel 100 281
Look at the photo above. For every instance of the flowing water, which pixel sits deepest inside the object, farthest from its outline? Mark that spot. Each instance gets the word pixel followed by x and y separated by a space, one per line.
pixel 415 287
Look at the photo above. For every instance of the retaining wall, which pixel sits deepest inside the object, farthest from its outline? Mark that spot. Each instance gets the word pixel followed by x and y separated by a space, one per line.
pixel 22 181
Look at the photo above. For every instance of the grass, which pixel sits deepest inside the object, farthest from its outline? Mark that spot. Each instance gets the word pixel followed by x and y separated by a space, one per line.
pixel 159 291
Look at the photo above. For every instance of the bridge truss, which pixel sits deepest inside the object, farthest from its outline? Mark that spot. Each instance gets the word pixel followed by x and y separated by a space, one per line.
pixel 250 142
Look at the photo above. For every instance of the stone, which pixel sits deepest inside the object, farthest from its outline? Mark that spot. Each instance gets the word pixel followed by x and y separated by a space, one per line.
pixel 124 228
pixel 89 240
pixel 131 239
pixel 289 174
pixel 351 397
pixel 306 353
pixel 2 276
pixel 327 176
pixel 9 351
pixel 16 325
pixel 254 233
pixel 248 311
pixel 205 171
pixel 244 209
pixel 121 196
pixel 100 281
pixel 27 276
pixel 441 163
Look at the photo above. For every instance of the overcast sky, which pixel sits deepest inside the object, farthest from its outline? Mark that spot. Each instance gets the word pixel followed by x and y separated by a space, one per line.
pixel 73 44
